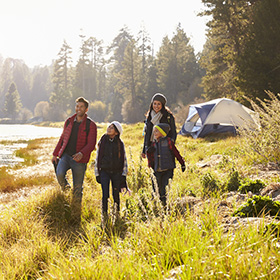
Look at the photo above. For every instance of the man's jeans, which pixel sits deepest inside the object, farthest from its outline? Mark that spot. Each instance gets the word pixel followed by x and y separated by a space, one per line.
pixel 105 178
pixel 78 172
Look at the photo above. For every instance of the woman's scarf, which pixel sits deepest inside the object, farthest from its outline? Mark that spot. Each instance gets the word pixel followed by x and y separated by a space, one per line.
pixel 155 119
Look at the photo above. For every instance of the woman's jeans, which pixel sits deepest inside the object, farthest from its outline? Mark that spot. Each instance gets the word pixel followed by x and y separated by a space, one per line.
pixel 162 179
pixel 105 178
pixel 78 172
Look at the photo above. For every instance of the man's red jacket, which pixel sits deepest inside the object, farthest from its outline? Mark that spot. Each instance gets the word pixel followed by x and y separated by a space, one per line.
pixel 85 143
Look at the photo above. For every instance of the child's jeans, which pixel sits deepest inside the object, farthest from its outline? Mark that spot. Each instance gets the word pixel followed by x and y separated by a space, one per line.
pixel 105 179
pixel 162 178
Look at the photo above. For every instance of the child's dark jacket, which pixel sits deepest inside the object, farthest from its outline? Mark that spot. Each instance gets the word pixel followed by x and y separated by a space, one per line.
pixel 110 156
pixel 162 154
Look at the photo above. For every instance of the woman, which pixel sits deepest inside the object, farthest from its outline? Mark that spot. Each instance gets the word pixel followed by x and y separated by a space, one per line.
pixel 158 113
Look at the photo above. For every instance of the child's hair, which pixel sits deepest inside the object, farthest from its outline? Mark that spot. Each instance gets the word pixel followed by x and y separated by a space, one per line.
pixel 163 128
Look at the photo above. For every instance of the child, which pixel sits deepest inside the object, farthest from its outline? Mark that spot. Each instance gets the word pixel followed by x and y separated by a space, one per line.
pixel 111 165
pixel 161 157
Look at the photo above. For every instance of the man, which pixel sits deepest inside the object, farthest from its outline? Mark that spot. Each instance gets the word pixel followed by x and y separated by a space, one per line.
pixel 74 147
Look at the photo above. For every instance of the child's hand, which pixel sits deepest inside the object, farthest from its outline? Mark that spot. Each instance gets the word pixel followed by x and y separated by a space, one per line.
pixel 183 167
pixel 125 190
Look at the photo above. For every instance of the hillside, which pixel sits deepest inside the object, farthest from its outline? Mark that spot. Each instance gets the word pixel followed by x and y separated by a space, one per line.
pixel 197 237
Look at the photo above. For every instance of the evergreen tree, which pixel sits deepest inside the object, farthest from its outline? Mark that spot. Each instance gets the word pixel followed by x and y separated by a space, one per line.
pixel 12 102
pixel 117 48
pixel 227 30
pixel 85 76
pixel 129 83
pixel 22 78
pixel 177 67
pixel 15 70
pixel 98 64
pixel 6 79
pixel 41 85
pixel 259 62
pixel 148 81
pixel 60 97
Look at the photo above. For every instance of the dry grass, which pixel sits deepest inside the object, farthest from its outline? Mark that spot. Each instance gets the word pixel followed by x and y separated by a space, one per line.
pixel 192 239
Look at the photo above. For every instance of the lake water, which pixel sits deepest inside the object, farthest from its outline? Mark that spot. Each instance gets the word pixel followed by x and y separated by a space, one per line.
pixel 16 132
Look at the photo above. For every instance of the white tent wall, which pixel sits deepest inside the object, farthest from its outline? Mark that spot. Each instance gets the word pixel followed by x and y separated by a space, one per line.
pixel 218 115
pixel 229 112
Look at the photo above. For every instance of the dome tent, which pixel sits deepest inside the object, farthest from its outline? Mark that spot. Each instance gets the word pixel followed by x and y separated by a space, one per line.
pixel 216 116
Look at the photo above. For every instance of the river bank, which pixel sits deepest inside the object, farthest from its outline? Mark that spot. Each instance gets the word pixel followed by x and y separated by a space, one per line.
pixel 43 167
pixel 15 136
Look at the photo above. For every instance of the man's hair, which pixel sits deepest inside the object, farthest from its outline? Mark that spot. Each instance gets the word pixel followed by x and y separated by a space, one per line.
pixel 82 99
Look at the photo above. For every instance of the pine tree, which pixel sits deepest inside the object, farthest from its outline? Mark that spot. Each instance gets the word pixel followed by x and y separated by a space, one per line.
pixel 117 48
pixel 259 62
pixel 129 84
pixel 85 74
pixel 12 102
pixel 227 30
pixel 61 95
pixel 177 67
pixel 148 84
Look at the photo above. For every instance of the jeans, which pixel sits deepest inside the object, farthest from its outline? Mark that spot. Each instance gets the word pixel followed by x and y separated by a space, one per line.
pixel 162 178
pixel 105 178
pixel 78 172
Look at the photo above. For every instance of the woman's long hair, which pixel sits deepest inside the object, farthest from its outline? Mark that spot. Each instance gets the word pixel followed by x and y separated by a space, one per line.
pixel 164 110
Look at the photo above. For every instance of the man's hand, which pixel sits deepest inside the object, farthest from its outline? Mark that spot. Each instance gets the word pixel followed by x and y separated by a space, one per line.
pixel 54 159
pixel 143 155
pixel 78 156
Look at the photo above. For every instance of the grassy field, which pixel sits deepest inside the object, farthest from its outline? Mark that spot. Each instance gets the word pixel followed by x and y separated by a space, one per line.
pixel 196 238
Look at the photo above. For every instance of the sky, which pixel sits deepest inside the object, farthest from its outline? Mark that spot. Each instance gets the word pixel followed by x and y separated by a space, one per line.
pixel 34 30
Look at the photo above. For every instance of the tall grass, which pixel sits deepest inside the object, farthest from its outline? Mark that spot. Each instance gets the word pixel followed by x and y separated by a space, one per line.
pixel 39 241
pixel 10 183
pixel 263 145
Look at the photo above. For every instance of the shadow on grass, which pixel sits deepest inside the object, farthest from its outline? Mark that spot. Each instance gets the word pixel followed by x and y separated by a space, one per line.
pixel 61 214
pixel 64 219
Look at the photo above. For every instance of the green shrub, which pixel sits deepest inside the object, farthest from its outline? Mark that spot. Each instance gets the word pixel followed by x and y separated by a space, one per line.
pixel 273 228
pixel 233 182
pixel 253 186
pixel 258 205
pixel 210 184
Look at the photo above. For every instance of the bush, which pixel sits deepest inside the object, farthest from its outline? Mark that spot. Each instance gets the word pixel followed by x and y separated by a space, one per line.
pixel 233 182
pixel 42 109
pixel 210 184
pixel 263 145
pixel 258 205
pixel 98 111
pixel 254 186
pixel 273 228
